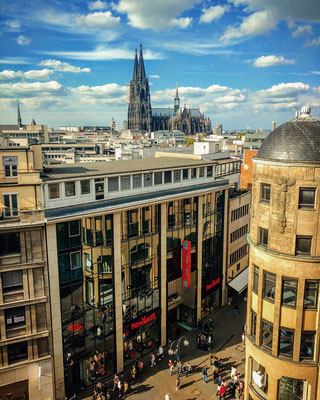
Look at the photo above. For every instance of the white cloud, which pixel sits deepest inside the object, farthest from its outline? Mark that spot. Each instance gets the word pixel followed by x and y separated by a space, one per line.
pixel 21 90
pixel 271 60
pixel 154 14
pixel 257 23
pixel 154 76
pixel 302 30
pixel 181 22
pixel 102 53
pixel 23 40
pixel 63 66
pixel 98 19
pixel 212 13
pixel 313 42
pixel 109 93
pixel 315 72
pixel 9 75
pixel 97 5
pixel 14 60
pixel 13 26
pixel 281 90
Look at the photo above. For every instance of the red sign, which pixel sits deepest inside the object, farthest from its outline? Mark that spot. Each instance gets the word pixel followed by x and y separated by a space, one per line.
pixel 212 284
pixel 144 320
pixel 186 263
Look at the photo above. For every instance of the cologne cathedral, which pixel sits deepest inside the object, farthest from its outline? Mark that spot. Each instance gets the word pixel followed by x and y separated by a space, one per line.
pixel 141 116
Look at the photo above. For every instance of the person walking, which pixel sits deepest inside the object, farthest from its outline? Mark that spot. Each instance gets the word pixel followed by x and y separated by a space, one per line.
pixel 176 355
pixel 222 392
pixel 160 353
pixel 179 366
pixel 153 360
pixel 188 369
pixel 167 396
pixel 177 383
pixel 205 374
pixel 115 382
pixel 141 368
pixel 170 364
pixel 125 388
pixel 120 388
pixel 133 373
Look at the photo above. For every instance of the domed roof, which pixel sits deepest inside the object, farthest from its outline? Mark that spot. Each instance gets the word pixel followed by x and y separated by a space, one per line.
pixel 297 140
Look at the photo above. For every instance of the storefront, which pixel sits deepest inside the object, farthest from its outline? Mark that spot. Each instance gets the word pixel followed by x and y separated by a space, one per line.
pixel 211 298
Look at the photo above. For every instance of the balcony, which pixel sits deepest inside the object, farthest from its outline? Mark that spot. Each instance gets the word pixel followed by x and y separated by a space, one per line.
pixel 8 180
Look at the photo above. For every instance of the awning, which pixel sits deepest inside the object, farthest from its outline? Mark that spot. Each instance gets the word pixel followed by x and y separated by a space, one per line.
pixel 240 282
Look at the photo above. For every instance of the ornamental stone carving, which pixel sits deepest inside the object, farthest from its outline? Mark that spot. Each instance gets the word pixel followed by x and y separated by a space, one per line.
pixel 283 199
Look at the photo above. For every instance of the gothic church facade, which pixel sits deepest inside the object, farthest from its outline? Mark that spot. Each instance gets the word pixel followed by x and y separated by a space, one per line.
pixel 141 116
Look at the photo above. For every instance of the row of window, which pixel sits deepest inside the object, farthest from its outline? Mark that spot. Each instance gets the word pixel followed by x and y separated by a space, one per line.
pixel 286 339
pixel 239 212
pixel 128 182
pixel 238 233
pixel 289 290
pixel 238 254
pixel 306 196
pixel 227 168
pixel 303 243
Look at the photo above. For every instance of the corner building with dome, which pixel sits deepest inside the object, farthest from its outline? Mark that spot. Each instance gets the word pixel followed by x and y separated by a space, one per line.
pixel 283 317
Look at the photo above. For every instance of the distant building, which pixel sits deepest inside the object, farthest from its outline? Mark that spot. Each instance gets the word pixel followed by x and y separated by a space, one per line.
pixel 253 141
pixel 274 125
pixel 246 169
pixel 218 130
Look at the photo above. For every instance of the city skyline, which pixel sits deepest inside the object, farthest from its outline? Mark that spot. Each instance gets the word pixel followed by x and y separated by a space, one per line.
pixel 243 62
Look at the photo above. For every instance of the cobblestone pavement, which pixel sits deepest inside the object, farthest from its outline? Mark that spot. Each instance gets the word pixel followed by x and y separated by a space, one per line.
pixel 156 382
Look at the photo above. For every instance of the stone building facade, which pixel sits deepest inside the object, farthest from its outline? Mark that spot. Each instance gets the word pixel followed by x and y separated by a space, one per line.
pixel 282 342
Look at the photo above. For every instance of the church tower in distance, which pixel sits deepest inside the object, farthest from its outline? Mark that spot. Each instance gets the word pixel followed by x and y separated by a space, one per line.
pixel 139 110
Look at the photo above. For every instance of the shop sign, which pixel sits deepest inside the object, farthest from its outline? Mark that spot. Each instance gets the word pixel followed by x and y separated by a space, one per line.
pixel 174 300
pixel 144 320
pixel 213 283
pixel 186 263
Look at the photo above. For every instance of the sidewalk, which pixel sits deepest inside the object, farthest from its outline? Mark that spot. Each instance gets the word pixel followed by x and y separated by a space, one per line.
pixel 156 382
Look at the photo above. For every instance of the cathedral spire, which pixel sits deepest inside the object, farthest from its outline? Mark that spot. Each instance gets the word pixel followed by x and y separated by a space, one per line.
pixel 176 101
pixel 141 70
pixel 19 123
pixel 177 94
pixel 135 68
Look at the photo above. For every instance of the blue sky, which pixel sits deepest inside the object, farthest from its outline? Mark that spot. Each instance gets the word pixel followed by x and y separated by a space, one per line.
pixel 243 62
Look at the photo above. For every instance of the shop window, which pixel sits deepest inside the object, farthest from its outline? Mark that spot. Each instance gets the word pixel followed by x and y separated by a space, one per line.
pixel 137 181
pixel 307 345
pixel 10 244
pixel 104 264
pixel 293 389
pixel 263 237
pixel 10 202
pixel 307 197
pixel 201 172
pixel 140 252
pixel 289 292
pixel 171 214
pixel 167 176
pixel 266 335
pixel 74 228
pixel 193 173
pixel 113 184
pixel 209 171
pixel 269 287
pixel 140 277
pixel 158 178
pixel 146 220
pixel 98 230
pixel 265 193
pixel 177 175
pixel 108 226
pixel 286 338
pixel 85 186
pixel 125 183
pixel 10 166
pixel 147 180
pixel 75 260
pixel 17 352
pixel 54 191
pixel 253 324
pixel 106 291
pixel 70 189
pixel 255 286
pixel 259 379
pixel 311 294
pixel 185 174
pixel 303 245
pixel 133 223
pixel 12 281
pixel 15 317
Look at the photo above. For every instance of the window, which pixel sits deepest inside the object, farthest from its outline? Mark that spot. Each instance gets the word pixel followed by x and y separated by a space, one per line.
pixel 193 173
pixel 113 184
pixel 10 202
pixel 209 171
pixel 255 285
pixel 307 345
pixel 125 182
pixel 99 188
pixel 147 180
pixel 311 294
pixel 74 228
pixel 158 178
pixel 286 338
pixel 133 222
pixel 259 379
pixel 303 245
pixel 137 181
pixel 167 176
pixel 10 166
pixel 17 352
pixel 253 324
pixel 15 317
pixel 146 220
pixel 54 192
pixel 201 172
pixel 10 244
pixel 293 389
pixel 12 281
pixel 263 237
pixel 70 188
pixel 85 187
pixel 185 174
pixel 177 175
pixel 265 193
pixel 289 292
pixel 75 259
pixel 266 335
pixel 306 197
pixel 269 289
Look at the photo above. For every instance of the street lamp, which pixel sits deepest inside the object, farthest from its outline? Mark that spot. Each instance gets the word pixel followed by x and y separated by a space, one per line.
pixel 185 343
